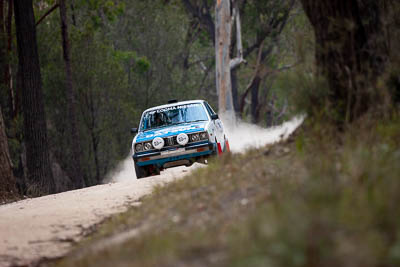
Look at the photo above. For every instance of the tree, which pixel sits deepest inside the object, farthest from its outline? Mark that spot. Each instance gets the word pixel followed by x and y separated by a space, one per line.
pixel 262 24
pixel 7 179
pixel 40 175
pixel 224 16
pixel 75 158
pixel 266 21
pixel 5 47
pixel 200 11
pixel 351 52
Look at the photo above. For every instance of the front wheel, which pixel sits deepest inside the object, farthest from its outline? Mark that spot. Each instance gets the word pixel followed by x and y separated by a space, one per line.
pixel 141 172
pixel 145 171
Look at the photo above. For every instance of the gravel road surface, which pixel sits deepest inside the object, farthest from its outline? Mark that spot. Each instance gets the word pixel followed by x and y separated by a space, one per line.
pixel 32 229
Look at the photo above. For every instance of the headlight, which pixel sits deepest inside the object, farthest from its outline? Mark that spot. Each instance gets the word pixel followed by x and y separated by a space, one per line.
pixel 195 137
pixel 139 147
pixel 203 135
pixel 158 143
pixel 147 146
pixel 182 139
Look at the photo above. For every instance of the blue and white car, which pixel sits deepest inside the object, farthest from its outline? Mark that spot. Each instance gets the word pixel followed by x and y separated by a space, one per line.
pixel 176 134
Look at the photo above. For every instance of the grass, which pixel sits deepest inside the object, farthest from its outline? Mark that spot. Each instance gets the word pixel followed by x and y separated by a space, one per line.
pixel 319 199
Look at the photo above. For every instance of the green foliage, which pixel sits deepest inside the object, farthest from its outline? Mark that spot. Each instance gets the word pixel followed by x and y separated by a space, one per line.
pixel 142 65
pixel 124 55
pixel 100 82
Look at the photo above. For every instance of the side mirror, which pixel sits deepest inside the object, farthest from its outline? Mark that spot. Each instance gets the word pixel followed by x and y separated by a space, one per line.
pixel 134 130
pixel 214 117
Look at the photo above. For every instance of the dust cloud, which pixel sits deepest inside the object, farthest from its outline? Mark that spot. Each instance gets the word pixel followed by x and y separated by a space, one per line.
pixel 241 136
pixel 124 172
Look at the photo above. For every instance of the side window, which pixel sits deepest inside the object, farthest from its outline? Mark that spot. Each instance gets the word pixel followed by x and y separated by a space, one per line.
pixel 209 109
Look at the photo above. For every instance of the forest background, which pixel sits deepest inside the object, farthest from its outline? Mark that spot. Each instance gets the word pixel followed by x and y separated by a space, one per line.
pixel 126 56
pixel 102 62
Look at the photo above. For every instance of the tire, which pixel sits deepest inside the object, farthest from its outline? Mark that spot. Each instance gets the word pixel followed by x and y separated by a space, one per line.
pixel 156 171
pixel 149 170
pixel 141 172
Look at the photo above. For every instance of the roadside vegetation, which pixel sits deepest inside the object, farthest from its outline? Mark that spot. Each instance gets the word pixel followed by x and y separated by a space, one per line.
pixel 318 199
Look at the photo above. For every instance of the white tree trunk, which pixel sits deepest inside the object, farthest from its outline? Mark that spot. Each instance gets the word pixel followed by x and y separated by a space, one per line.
pixel 223 30
pixel 239 54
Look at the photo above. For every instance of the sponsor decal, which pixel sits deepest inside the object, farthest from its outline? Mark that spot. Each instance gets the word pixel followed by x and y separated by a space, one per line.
pixel 219 124
pixel 162 110
pixel 182 139
pixel 158 143
pixel 177 107
pixel 175 130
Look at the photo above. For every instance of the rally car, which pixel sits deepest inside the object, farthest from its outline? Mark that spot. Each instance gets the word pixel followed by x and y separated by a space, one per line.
pixel 176 134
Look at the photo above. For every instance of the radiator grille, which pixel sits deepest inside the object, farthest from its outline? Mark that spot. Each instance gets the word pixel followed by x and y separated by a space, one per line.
pixel 170 141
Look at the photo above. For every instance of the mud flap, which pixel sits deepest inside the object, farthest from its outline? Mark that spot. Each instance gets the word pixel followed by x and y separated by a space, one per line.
pixel 228 148
pixel 219 149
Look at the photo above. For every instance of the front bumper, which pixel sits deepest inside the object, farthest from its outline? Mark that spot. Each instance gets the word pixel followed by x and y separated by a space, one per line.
pixel 189 153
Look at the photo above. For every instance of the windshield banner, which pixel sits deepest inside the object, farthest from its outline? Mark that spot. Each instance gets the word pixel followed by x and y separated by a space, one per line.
pixel 174 108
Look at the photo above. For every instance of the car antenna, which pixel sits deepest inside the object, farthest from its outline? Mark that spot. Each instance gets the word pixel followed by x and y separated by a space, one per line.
pixel 172 101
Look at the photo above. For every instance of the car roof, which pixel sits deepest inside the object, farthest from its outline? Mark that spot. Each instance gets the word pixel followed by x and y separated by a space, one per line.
pixel 175 104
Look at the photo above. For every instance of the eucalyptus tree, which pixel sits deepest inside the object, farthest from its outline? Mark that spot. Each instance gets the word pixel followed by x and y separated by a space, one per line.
pixel 8 89
pixel 351 52
pixel 264 22
pixel 7 179
pixel 105 107
pixel 76 172
pixel 40 175
pixel 225 16
pixel 261 24
pixel 90 70
pixel 155 52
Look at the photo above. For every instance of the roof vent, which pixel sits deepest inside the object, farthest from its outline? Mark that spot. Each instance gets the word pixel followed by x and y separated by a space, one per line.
pixel 172 101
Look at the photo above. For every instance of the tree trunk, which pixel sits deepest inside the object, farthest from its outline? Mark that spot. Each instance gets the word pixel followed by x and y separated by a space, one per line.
pixel 40 175
pixel 73 13
pixel 2 43
pixel 7 69
pixel 75 173
pixel 222 45
pixel 254 108
pixel 7 180
pixel 224 17
pixel 350 52
pixel 95 145
pixel 235 94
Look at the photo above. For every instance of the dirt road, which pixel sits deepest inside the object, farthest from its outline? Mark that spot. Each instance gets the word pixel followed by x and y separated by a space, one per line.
pixel 46 226
pixel 33 229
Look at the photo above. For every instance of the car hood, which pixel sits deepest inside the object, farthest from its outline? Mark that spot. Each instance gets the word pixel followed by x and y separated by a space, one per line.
pixel 190 127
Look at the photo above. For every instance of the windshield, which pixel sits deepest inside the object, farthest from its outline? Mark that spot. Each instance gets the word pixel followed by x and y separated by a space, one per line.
pixel 173 115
